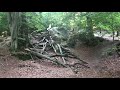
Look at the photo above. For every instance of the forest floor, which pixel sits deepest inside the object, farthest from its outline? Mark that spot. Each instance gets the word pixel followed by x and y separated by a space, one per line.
pixel 101 67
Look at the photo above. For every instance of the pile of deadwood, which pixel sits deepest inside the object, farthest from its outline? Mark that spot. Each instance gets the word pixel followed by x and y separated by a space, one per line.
pixel 5 41
pixel 46 46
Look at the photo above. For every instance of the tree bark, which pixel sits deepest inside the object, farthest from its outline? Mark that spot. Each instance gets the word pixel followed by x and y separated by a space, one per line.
pixel 117 33
pixel 113 31
pixel 23 32
pixel 89 27
pixel 14 25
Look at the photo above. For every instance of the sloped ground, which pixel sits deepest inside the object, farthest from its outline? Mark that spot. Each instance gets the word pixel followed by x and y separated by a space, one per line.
pixel 108 66
pixel 12 67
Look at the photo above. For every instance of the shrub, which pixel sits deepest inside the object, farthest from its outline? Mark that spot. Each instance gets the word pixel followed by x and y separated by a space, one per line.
pixel 87 40
pixel 72 41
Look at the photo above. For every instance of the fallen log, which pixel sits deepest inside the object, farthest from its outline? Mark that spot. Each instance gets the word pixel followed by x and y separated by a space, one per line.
pixel 63 55
pixel 45 56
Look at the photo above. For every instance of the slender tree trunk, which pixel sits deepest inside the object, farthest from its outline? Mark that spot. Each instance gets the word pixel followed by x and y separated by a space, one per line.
pixel 100 31
pixel 113 30
pixel 24 29
pixel 117 33
pixel 89 27
pixel 13 20
pixel 113 35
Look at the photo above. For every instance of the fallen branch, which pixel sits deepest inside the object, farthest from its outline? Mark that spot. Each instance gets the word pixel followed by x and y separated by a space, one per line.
pixel 45 43
pixel 73 55
pixel 62 55
pixel 44 56
pixel 61 52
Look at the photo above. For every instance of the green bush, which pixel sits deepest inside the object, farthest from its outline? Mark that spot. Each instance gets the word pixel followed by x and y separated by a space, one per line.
pixel 109 52
pixel 87 40
pixel 73 39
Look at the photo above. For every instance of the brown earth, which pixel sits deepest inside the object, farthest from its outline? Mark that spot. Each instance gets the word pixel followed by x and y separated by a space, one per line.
pixel 12 67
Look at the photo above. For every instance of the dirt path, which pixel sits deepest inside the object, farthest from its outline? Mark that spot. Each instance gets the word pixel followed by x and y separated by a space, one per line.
pixel 100 67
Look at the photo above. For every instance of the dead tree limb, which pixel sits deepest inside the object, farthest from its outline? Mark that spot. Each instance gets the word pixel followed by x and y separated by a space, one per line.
pixel 61 52
pixel 43 44
pixel 67 51
pixel 45 56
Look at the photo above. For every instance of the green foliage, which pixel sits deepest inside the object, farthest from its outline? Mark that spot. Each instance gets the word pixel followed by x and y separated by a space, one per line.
pixel 3 22
pixel 86 39
pixel 73 40
pixel 109 51
pixel 70 21
pixel 34 20
pixel 107 20
pixel 53 18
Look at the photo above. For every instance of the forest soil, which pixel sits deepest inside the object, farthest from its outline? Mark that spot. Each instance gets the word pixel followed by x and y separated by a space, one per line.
pixel 12 67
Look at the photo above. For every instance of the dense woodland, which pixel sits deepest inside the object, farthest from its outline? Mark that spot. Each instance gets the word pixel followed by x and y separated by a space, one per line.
pixel 78 41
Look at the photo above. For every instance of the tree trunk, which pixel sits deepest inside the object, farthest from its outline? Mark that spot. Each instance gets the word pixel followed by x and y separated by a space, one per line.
pixel 113 30
pixel 14 25
pixel 113 35
pixel 23 32
pixel 100 31
pixel 117 33
pixel 89 27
